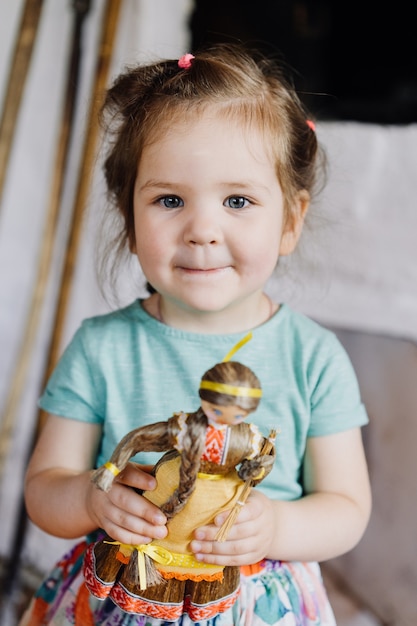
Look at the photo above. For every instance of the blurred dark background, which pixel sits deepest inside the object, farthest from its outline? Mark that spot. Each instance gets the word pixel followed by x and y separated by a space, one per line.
pixel 352 60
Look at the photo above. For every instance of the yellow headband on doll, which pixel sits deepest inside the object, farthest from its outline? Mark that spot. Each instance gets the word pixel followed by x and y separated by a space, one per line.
pixel 233 390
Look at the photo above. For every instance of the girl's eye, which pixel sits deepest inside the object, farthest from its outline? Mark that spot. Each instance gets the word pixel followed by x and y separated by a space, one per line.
pixel 237 202
pixel 171 202
pixel 217 412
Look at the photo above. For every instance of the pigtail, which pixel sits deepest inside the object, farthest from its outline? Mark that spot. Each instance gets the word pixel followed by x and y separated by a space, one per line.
pixel 193 444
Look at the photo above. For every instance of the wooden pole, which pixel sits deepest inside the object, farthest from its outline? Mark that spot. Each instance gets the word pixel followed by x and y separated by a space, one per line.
pixel 16 81
pixel 110 21
pixel 47 245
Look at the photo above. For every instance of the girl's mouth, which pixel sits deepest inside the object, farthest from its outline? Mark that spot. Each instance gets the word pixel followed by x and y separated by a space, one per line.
pixel 202 271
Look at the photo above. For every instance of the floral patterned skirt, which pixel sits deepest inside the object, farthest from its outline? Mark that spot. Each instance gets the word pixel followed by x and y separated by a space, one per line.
pixel 271 593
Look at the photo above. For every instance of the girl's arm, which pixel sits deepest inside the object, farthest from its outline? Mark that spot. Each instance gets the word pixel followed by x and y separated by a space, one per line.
pixel 328 521
pixel 62 500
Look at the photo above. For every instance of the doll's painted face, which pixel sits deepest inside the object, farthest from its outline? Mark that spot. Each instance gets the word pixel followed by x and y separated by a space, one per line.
pixel 218 414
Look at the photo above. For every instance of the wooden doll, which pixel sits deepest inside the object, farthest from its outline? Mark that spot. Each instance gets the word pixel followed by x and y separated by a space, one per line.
pixel 196 479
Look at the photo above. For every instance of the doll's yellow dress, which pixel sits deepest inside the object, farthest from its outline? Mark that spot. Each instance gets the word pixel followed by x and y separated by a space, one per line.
pixel 199 589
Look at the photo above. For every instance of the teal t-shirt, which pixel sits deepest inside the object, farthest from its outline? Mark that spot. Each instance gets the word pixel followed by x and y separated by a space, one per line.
pixel 125 369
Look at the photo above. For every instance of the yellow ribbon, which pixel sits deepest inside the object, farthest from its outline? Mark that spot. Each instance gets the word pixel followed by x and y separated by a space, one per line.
pixel 237 347
pixel 156 553
pixel 205 476
pixel 160 555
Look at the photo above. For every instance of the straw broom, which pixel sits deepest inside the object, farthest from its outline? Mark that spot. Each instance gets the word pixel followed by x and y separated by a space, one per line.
pixel 244 494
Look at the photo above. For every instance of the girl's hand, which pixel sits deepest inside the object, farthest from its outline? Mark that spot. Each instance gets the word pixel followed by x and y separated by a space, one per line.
pixel 123 513
pixel 62 499
pixel 248 540
pixel 328 520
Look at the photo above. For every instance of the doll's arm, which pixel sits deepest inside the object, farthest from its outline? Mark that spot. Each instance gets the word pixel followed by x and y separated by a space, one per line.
pixel 151 438
pixel 257 468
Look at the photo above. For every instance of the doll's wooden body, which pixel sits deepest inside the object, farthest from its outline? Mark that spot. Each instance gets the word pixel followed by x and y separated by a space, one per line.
pixel 196 479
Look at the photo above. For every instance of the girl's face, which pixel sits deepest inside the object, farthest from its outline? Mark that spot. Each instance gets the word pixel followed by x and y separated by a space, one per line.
pixel 209 216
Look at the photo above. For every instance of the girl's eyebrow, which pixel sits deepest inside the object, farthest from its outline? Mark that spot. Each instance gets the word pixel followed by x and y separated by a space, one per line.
pixel 241 185
pixel 245 185
pixel 156 184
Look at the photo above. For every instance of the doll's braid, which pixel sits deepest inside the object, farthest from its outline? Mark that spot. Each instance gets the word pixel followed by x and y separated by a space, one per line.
pixel 193 444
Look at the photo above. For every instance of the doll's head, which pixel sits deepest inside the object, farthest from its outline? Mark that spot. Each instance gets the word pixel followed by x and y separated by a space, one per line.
pixel 230 386
pixel 145 102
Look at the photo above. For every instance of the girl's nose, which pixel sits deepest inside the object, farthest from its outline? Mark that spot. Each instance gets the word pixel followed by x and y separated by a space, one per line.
pixel 202 228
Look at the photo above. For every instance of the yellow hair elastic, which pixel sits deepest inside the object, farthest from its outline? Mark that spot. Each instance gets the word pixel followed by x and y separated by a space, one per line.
pixel 231 390
pixel 260 475
pixel 112 468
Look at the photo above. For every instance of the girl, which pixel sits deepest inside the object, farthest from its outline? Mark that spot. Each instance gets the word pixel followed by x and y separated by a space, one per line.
pixel 211 164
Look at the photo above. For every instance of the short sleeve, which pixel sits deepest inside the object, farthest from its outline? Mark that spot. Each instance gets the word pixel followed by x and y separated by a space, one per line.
pixel 335 399
pixel 75 389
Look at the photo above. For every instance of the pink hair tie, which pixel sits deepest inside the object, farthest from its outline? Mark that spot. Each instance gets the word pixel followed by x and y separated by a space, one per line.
pixel 185 61
pixel 311 125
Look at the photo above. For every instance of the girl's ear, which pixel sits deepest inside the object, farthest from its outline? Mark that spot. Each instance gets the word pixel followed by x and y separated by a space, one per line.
pixel 295 223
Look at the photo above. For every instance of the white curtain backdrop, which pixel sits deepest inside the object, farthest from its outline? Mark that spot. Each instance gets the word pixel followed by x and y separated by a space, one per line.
pixel 357 265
